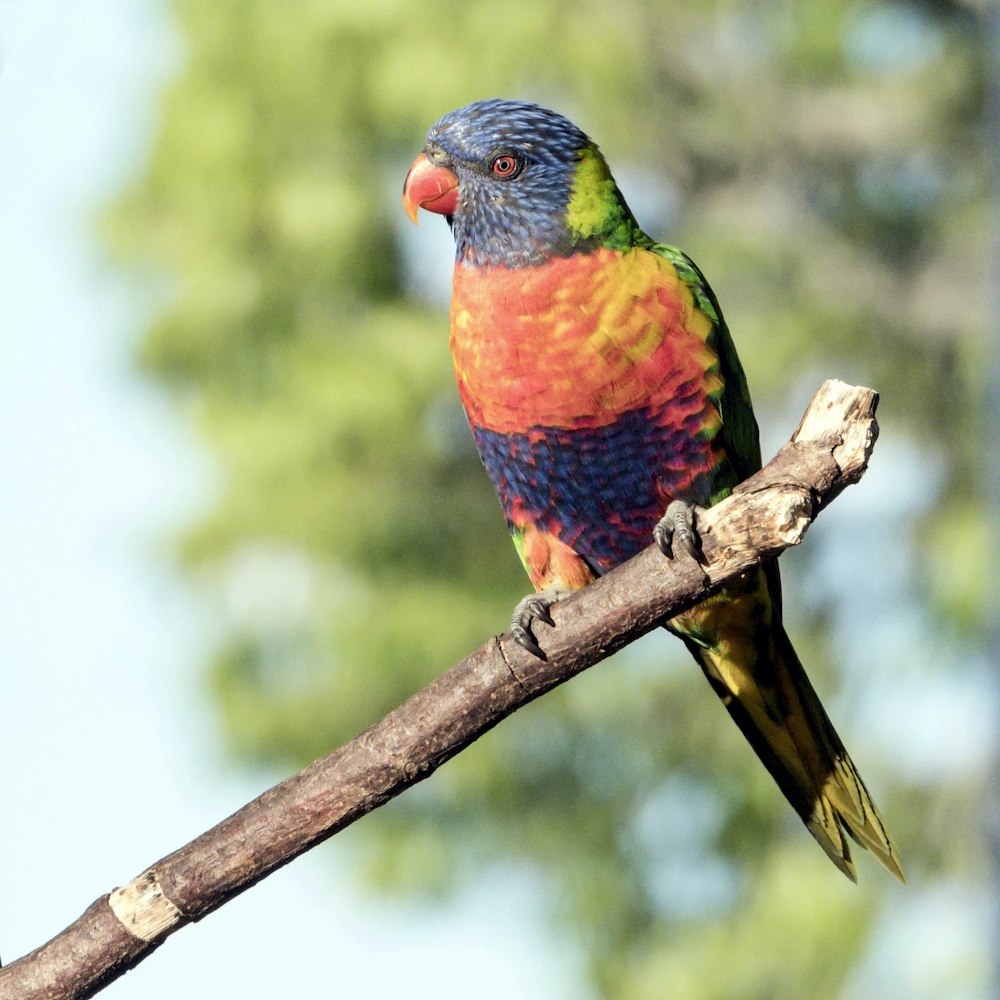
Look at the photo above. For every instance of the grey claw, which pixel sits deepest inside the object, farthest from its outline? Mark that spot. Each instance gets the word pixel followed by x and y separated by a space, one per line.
pixel 541 612
pixel 663 536
pixel 524 639
pixel 677 525
pixel 534 607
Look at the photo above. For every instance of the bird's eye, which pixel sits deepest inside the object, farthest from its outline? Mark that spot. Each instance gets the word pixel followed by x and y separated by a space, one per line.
pixel 505 165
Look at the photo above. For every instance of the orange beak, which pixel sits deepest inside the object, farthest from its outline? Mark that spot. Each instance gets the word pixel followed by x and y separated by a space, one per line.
pixel 428 186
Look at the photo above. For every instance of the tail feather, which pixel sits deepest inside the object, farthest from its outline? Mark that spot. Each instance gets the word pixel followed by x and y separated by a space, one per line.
pixel 837 783
pixel 772 701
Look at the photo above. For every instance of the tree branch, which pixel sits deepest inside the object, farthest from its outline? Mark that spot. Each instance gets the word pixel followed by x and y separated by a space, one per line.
pixel 765 515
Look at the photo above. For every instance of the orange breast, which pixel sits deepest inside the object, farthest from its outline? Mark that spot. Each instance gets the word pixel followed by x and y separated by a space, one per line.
pixel 577 341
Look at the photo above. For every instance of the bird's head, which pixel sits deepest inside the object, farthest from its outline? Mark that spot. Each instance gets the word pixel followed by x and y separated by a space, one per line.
pixel 518 185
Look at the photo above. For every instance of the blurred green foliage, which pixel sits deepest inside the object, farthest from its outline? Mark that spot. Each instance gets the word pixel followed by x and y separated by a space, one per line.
pixel 825 164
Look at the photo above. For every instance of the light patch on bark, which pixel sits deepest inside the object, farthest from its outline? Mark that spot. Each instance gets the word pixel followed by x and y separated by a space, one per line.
pixel 143 909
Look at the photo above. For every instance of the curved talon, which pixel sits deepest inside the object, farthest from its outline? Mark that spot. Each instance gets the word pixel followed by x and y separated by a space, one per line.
pixel 534 607
pixel 677 524
pixel 524 639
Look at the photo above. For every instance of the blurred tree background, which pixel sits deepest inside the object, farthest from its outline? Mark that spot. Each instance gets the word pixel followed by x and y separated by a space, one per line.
pixel 828 166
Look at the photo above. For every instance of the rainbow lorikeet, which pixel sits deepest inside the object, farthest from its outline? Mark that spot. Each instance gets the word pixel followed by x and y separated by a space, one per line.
pixel 607 402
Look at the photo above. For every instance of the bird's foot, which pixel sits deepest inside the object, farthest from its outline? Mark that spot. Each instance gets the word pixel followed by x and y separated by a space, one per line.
pixel 529 609
pixel 677 525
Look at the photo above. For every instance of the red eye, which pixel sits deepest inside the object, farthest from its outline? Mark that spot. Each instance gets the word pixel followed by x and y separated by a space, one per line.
pixel 504 165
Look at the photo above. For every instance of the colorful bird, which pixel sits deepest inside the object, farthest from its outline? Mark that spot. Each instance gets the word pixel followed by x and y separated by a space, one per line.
pixel 608 403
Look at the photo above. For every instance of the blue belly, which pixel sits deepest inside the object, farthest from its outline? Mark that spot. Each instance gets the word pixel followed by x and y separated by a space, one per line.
pixel 600 490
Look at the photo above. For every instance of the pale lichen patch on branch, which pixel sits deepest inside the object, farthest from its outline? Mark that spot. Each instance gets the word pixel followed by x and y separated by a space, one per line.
pixel 794 515
pixel 842 414
pixel 143 909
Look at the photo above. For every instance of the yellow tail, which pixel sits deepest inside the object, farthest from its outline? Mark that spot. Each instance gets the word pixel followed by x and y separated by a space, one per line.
pixel 752 666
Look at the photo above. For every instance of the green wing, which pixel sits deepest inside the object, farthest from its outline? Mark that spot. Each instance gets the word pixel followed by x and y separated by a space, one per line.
pixel 739 426
pixel 740 436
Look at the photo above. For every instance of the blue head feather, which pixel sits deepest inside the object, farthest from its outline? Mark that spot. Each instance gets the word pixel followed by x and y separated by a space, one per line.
pixel 518 220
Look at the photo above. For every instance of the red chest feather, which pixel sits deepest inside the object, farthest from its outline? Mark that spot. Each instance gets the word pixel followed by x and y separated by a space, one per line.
pixel 580 340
